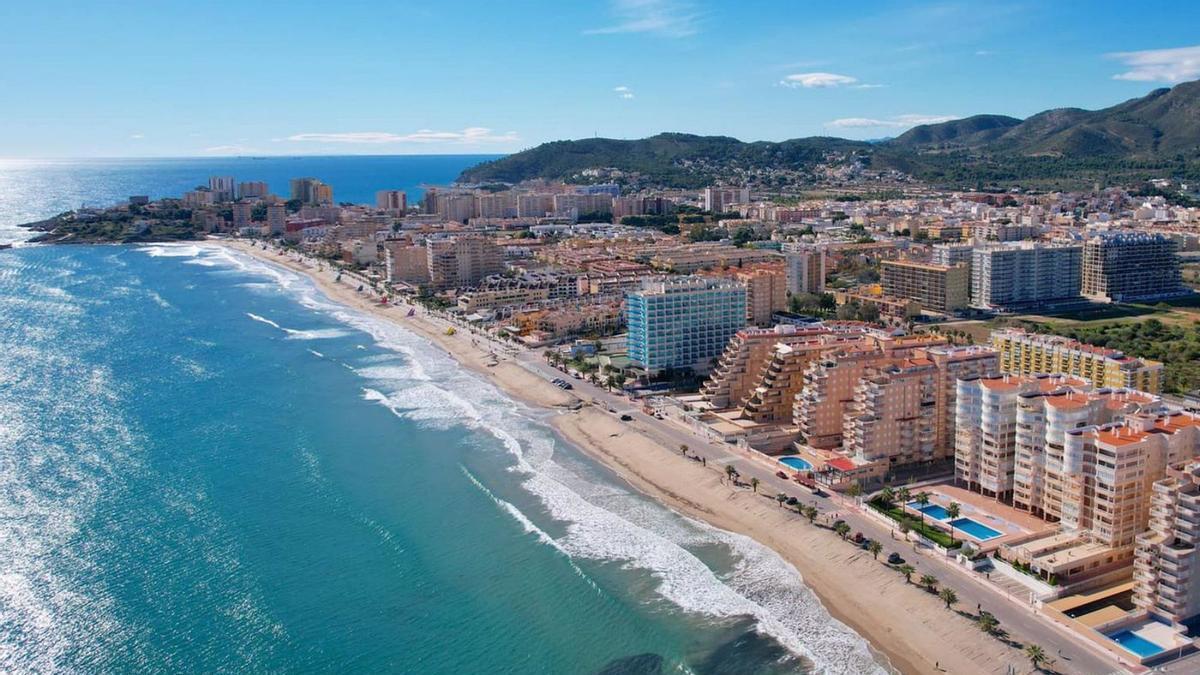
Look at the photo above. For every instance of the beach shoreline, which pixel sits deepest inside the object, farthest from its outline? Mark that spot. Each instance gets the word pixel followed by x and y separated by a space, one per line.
pixel 906 624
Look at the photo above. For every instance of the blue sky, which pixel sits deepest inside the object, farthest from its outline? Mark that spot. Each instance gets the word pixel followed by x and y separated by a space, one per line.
pixel 167 78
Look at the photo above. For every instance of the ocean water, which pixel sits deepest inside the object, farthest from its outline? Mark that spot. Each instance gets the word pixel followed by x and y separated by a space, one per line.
pixel 207 466
pixel 32 190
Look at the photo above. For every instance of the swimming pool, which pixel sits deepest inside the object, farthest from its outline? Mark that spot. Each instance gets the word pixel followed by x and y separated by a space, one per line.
pixel 797 463
pixel 935 511
pixel 1136 643
pixel 975 529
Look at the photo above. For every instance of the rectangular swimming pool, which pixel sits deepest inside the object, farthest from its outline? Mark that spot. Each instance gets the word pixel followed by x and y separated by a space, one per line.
pixel 1136 643
pixel 935 511
pixel 976 529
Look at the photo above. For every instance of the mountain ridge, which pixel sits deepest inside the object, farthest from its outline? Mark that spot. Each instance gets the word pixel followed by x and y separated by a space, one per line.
pixel 1156 132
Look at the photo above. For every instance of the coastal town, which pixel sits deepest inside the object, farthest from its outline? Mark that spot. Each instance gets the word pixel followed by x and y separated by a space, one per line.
pixel 903 370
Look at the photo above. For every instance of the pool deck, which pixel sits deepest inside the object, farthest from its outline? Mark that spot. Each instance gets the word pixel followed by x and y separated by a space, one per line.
pixel 1010 522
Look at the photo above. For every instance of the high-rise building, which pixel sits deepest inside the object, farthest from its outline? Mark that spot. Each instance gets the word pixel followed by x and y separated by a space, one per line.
pixel 311 191
pixel 391 200
pixel 222 188
pixel 534 206
pixel 766 290
pixel 242 214
pixel 252 190
pixel 1024 353
pixel 1016 276
pixel 496 205
pixel 406 262
pixel 683 322
pixel 276 218
pixel 459 208
pixel 576 205
pixel 719 200
pixel 939 288
pixel 1166 570
pixel 463 260
pixel 805 268
pixel 1128 266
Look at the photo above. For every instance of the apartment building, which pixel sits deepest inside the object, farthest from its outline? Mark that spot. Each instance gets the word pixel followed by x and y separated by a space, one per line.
pixel 1131 266
pixel 1166 570
pixel 276 218
pixel 689 259
pixel 1017 276
pixel 243 213
pixel 683 322
pixel 406 262
pixel 1024 353
pixel 458 208
pixel 891 419
pixel 534 206
pixel 476 299
pixel 805 268
pixel 939 288
pixel 222 187
pixel 462 260
pixel 395 201
pixel 766 290
pixel 498 205
pixel 252 190
pixel 310 191
pixel 721 200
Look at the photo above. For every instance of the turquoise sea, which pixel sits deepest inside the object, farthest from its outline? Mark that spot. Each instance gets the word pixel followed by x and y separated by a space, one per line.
pixel 207 466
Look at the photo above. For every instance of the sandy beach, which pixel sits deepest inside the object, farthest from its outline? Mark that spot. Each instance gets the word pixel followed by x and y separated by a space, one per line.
pixel 910 626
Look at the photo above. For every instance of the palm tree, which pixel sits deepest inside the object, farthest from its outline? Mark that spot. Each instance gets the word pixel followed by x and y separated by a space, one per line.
pixel 987 622
pixel 754 484
pixel 781 498
pixel 903 495
pixel 683 449
pixel 907 570
pixel 842 529
pixel 811 513
pixel 922 501
pixel 887 496
pixel 929 582
pixel 948 596
pixel 875 548
pixel 1037 656
pixel 953 510
pixel 730 472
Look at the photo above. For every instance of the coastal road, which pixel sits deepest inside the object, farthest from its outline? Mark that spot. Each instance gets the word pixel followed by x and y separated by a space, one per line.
pixel 1016 615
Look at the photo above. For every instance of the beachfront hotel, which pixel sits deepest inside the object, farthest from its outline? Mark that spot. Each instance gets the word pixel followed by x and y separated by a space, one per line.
pixel 462 260
pixel 683 322
pixel 939 288
pixel 1024 353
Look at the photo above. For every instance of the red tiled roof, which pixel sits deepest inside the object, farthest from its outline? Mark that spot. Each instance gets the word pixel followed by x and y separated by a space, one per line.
pixel 841 464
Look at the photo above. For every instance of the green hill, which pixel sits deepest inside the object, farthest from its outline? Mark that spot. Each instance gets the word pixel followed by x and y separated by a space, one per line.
pixel 1155 135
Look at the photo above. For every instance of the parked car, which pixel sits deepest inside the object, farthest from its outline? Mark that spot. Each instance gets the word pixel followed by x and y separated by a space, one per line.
pixel 626 417
pixel 780 474
pixel 895 559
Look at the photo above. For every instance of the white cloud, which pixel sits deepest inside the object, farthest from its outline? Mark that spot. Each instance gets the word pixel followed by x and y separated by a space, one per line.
pixel 984 52
pixel 623 92
pixel 818 80
pixel 668 18
pixel 1160 65
pixel 468 136
pixel 137 137
pixel 897 122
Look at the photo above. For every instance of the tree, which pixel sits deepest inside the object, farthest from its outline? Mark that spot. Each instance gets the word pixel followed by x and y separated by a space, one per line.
pixel 929 582
pixel 754 484
pixel 903 495
pixel 781 498
pixel 987 622
pixel 953 510
pixel 887 496
pixel 923 501
pixel 731 473
pixel 907 570
pixel 1037 655
pixel 811 513
pixel 842 529
pixel 875 548
pixel 683 449
pixel 855 490
pixel 948 596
